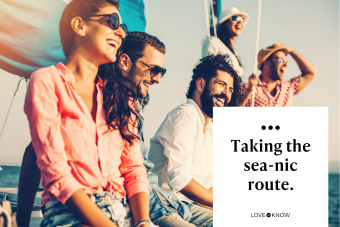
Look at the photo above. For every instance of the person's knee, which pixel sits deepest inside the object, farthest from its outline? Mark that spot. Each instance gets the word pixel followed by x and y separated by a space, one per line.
pixel 201 216
pixel 173 220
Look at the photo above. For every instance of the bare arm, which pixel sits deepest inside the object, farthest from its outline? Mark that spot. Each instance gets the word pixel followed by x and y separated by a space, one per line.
pixel 196 192
pixel 87 211
pixel 253 81
pixel 139 205
pixel 308 71
pixel 28 186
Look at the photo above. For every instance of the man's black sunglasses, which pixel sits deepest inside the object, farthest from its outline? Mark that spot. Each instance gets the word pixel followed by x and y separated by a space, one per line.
pixel 154 70
pixel 114 21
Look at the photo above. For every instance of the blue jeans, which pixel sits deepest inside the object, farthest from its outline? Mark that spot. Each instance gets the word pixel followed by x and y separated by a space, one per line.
pixel 162 203
pixel 201 217
pixel 118 210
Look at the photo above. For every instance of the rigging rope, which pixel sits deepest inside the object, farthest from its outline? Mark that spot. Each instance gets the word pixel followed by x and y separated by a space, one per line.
pixel 256 47
pixel 10 106
pixel 213 16
pixel 207 17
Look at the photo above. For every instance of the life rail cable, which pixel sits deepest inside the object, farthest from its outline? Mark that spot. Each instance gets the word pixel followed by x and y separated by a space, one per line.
pixel 10 106
pixel 213 16
pixel 256 48
pixel 207 18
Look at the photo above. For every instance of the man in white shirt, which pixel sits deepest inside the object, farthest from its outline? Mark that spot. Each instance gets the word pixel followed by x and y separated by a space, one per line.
pixel 181 149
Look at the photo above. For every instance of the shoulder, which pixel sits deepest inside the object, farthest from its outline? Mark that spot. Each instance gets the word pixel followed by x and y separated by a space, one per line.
pixel 293 81
pixel 186 112
pixel 212 39
pixel 46 75
pixel 210 46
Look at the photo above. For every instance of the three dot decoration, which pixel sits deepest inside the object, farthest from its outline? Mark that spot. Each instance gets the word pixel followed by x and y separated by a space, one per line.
pixel 270 127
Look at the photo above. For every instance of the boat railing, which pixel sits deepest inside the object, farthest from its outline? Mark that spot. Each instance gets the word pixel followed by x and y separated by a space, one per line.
pixel 13 199
pixel 7 218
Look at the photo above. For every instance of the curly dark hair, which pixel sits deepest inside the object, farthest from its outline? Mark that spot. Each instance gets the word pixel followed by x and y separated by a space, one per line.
pixel 83 9
pixel 207 69
pixel 119 102
pixel 135 43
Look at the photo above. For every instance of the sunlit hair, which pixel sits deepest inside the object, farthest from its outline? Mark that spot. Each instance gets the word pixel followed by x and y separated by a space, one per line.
pixel 119 102
pixel 78 8
pixel 207 69
pixel 224 36
pixel 135 44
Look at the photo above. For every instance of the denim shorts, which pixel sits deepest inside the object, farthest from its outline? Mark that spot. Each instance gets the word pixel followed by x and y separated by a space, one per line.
pixel 118 210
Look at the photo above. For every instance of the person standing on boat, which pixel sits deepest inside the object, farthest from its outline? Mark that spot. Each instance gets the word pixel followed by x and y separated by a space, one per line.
pixel 87 144
pixel 181 149
pixel 231 24
pixel 270 89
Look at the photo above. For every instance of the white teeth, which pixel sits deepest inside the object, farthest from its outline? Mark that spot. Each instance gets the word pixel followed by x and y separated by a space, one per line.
pixel 112 42
pixel 221 100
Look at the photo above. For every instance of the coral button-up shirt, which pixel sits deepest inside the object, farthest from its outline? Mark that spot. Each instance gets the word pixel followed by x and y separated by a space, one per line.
pixel 72 150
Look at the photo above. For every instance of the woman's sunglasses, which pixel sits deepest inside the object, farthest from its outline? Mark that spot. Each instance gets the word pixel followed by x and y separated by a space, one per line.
pixel 237 18
pixel 114 21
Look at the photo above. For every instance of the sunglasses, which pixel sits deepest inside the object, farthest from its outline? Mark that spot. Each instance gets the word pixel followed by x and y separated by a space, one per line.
pixel 237 18
pixel 114 21
pixel 154 70
pixel 280 60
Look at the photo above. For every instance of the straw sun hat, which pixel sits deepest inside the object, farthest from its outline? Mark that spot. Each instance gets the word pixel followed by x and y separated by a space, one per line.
pixel 226 14
pixel 266 52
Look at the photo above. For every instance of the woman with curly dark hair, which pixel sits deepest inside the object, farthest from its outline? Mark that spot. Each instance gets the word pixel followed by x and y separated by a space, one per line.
pixel 231 25
pixel 87 146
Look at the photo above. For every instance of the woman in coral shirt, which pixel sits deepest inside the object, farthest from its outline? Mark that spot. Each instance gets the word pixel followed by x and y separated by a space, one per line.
pixel 87 150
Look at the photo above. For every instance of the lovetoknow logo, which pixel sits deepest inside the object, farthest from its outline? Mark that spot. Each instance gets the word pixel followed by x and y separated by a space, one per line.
pixel 270 215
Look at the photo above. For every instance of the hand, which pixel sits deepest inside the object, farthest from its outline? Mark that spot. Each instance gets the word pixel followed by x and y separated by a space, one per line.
pixel 253 81
pixel 289 49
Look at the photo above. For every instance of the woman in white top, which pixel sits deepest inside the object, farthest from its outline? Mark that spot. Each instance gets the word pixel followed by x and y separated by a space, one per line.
pixel 230 26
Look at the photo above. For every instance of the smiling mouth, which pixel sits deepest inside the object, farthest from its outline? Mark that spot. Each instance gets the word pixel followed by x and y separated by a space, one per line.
pixel 112 43
pixel 147 85
pixel 220 101
pixel 238 26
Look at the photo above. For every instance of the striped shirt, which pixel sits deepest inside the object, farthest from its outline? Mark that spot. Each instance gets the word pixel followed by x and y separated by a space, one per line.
pixel 283 97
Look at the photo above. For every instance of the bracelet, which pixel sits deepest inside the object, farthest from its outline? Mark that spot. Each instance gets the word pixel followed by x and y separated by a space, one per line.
pixel 144 221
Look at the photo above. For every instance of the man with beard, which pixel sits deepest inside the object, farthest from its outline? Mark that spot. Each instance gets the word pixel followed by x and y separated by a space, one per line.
pixel 182 146
pixel 270 90
pixel 142 61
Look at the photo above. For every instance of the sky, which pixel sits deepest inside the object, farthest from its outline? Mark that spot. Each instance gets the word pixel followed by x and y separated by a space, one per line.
pixel 309 26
